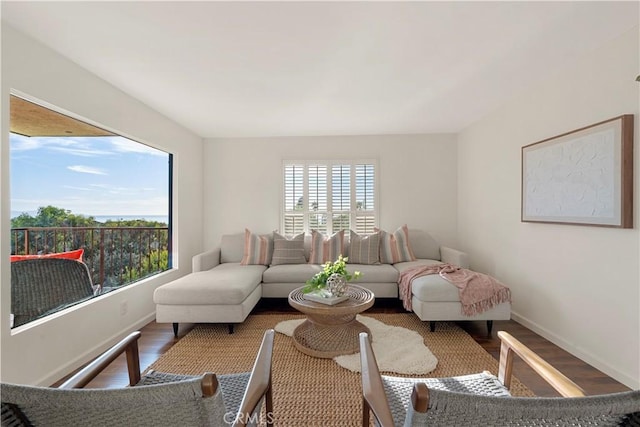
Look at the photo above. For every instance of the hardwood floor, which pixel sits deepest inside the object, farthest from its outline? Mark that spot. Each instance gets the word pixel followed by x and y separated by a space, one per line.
pixel 158 338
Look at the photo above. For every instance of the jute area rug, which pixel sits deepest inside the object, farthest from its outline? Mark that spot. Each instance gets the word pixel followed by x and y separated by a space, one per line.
pixel 308 391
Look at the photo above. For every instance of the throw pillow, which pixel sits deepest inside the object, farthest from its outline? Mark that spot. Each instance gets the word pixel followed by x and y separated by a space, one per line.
pixel 77 255
pixel 395 247
pixel 364 249
pixel 326 249
pixel 288 251
pixel 257 249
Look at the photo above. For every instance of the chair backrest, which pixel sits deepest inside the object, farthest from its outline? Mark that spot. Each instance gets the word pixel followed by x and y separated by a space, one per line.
pixel 171 404
pixel 40 286
pixel 463 409
pixel 431 406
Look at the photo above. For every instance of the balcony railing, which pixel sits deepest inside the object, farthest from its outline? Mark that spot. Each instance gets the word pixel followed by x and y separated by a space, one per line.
pixel 116 256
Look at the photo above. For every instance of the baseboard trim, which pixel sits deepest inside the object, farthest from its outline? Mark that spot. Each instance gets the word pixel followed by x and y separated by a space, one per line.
pixel 628 380
pixel 93 352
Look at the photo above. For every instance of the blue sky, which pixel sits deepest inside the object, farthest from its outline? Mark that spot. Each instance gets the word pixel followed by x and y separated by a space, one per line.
pixel 88 175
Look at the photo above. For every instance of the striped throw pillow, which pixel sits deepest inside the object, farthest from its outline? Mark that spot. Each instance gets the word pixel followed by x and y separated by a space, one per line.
pixel 288 251
pixel 395 247
pixel 257 249
pixel 364 249
pixel 326 249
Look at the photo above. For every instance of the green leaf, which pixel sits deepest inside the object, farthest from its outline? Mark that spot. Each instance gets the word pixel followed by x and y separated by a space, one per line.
pixel 319 280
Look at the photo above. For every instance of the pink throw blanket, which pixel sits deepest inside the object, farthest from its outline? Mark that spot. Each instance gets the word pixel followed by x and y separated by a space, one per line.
pixel 478 292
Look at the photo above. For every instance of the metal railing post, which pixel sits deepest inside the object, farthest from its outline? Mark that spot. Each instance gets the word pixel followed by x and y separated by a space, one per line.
pixel 102 256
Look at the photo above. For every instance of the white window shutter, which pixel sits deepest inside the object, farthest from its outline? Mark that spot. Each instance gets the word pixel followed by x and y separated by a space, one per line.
pixel 293 221
pixel 330 196
pixel 365 198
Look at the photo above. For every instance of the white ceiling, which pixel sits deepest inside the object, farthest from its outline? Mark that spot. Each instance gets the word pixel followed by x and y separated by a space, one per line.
pixel 232 69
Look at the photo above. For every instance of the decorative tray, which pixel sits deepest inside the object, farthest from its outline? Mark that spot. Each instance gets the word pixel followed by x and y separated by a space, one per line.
pixel 323 299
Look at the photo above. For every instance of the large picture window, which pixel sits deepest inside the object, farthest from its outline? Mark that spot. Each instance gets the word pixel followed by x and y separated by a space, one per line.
pixel 329 196
pixel 84 192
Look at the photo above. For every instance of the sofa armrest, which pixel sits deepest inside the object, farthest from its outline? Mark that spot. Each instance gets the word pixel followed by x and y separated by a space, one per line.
pixel 454 256
pixel 206 260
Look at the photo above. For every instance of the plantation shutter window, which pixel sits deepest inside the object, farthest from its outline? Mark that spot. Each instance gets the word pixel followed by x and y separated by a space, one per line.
pixel 293 220
pixel 341 197
pixel 329 196
pixel 317 197
pixel 365 199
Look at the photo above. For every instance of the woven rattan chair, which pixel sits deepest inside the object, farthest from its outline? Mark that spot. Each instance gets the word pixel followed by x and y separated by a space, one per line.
pixel 46 285
pixel 484 400
pixel 155 399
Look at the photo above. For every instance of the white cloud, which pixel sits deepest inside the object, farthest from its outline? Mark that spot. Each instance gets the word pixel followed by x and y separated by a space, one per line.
pixel 71 187
pixel 23 143
pixel 81 151
pixel 83 146
pixel 87 169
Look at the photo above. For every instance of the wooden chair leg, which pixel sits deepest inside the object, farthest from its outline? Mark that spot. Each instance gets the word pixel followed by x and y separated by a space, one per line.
pixel 365 413
pixel 432 326
pixel 230 328
pixel 269 406
pixel 175 330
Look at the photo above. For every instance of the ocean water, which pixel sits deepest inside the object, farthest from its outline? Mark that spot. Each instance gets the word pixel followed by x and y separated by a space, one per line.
pixel 104 218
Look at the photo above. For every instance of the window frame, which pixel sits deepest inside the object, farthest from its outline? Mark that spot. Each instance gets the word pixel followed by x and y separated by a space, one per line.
pixel 170 228
pixel 306 211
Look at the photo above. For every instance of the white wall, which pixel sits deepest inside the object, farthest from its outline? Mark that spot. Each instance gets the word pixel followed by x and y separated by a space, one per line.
pixel 43 353
pixel 243 180
pixel 578 286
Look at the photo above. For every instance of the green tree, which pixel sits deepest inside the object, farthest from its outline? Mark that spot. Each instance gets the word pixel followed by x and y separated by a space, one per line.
pixel 156 261
pixel 51 216
pixel 134 223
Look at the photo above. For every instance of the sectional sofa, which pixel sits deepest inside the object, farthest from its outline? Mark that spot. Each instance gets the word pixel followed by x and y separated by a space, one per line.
pixel 229 280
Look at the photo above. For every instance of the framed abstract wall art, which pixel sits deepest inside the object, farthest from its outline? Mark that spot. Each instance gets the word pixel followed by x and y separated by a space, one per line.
pixel 582 177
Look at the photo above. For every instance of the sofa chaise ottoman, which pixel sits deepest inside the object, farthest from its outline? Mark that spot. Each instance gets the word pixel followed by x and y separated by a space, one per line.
pixel 434 299
pixel 213 293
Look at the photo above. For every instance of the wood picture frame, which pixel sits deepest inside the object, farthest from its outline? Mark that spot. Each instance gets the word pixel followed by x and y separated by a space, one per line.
pixel 582 177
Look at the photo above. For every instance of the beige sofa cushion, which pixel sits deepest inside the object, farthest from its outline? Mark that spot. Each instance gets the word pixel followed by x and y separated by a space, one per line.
pixel 290 273
pixel 404 266
pixel 372 273
pixel 227 284
pixel 432 287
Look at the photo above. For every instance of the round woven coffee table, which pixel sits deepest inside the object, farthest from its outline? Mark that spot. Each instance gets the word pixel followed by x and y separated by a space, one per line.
pixel 330 330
